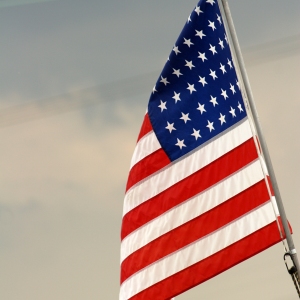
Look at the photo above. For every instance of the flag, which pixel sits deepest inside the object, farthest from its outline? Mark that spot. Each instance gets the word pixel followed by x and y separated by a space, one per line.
pixel 198 199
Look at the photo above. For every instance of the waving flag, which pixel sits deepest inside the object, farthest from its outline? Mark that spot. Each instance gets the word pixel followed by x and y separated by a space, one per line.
pixel 197 198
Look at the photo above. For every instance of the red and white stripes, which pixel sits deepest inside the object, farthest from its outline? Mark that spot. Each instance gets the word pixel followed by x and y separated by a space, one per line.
pixel 180 216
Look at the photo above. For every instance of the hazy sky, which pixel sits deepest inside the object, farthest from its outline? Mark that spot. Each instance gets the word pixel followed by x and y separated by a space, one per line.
pixel 75 79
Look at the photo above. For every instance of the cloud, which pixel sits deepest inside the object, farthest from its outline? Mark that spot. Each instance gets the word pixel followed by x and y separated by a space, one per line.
pixel 6 3
pixel 70 157
pixel 63 182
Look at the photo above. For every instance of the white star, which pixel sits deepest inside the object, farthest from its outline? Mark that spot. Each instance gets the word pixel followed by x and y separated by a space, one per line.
pixel 176 97
pixel 212 25
pixel 176 50
pixel 176 72
pixel 189 19
pixel 164 80
pixel 180 143
pixel 191 88
pixel 154 90
pixel 210 126
pixel 221 43
pixel 185 117
pixel 202 80
pixel 188 42
pixel 232 88
pixel 189 64
pixel 240 107
pixel 213 74
pixel 232 111
pixel 162 105
pixel 224 94
pixel 200 34
pixel 170 127
pixel 202 56
pixel 229 63
pixel 196 134
pixel 238 84
pixel 212 2
pixel 213 100
pixel 222 68
pixel 212 49
pixel 219 19
pixel 198 10
pixel 222 119
pixel 201 108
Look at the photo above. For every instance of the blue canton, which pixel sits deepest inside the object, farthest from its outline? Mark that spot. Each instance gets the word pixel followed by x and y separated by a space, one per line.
pixel 197 95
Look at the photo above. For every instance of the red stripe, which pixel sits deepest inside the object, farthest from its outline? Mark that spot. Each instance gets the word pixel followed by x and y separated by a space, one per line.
pixel 146 127
pixel 213 265
pixel 147 166
pixel 282 229
pixel 190 186
pixel 195 229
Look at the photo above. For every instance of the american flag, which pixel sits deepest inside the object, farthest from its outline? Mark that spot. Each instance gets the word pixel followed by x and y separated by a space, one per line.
pixel 197 199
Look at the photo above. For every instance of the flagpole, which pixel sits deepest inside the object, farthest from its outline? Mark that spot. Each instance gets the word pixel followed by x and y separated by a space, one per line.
pixel 223 4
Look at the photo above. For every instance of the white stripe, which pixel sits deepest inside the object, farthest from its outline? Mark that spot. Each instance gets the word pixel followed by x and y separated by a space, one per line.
pixel 190 255
pixel 187 166
pixel 145 146
pixel 274 202
pixel 193 208
pixel 263 164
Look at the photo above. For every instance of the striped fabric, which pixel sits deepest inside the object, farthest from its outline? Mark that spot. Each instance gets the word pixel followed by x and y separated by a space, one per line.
pixel 187 219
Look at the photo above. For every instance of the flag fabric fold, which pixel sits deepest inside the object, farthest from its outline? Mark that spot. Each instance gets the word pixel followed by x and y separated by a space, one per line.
pixel 198 200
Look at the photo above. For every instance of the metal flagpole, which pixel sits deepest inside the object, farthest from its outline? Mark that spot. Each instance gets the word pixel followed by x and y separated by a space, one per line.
pixel 223 4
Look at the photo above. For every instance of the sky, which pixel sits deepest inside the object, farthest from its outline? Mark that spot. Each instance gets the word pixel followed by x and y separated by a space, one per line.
pixel 75 79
